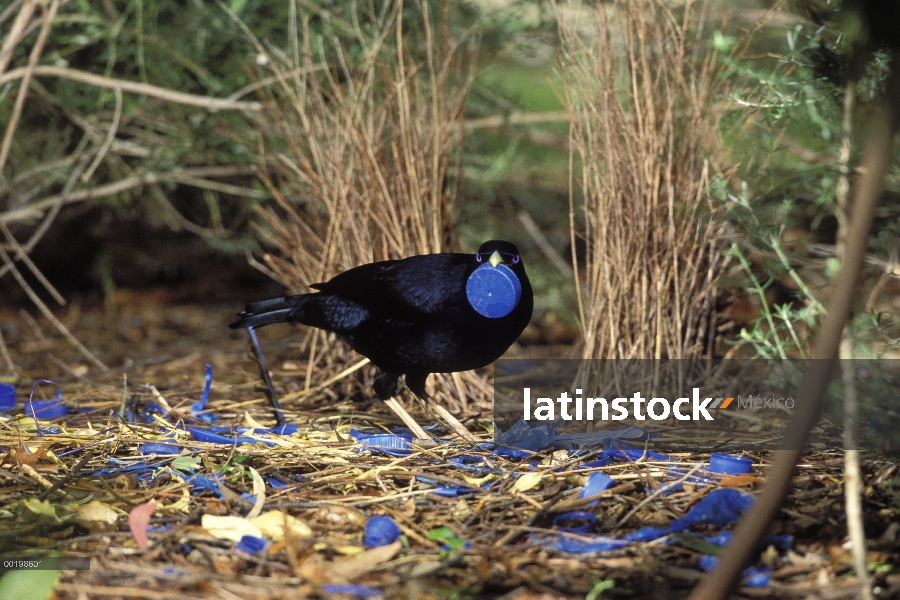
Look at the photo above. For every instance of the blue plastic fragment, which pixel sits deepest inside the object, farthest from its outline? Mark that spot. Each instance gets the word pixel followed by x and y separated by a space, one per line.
pixel 525 437
pixel 159 449
pixel 46 409
pixel 729 464
pixel 723 538
pixel 597 463
pixel 206 482
pixel 718 508
pixel 589 544
pixel 466 545
pixel 250 544
pixel 447 491
pixel 381 530
pixel 466 460
pixel 646 534
pixel 576 521
pixel 671 487
pixel 286 429
pixel 781 542
pixel 493 291
pixel 198 407
pixel 595 484
pixel 385 443
pixel 360 591
pixel 513 453
pixel 139 468
pixel 7 397
pixel 275 484
pixel 201 482
pixel 143 413
pixel 152 408
pixel 595 438
pixel 203 435
pixel 753 577
pixel 708 562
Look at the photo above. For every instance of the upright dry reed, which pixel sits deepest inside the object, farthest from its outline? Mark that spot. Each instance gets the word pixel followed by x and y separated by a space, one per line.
pixel 370 141
pixel 639 85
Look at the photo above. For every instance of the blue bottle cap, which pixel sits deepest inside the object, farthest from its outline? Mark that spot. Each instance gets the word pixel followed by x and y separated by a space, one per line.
pixel 7 397
pixel 729 464
pixel 381 530
pixel 493 291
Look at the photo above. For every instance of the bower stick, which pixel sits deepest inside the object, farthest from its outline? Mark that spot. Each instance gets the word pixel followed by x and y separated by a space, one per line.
pixel 717 584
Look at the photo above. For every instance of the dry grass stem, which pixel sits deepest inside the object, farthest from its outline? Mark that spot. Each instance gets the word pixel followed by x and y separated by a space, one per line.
pixel 27 73
pixel 16 31
pixel 639 85
pixel 133 87
pixel 197 176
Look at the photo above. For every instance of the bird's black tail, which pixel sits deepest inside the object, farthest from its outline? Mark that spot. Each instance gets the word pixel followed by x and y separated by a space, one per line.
pixel 267 312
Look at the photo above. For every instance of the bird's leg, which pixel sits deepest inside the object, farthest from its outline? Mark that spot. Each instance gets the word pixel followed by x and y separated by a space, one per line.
pixel 416 384
pixel 386 384
pixel 266 379
pixel 386 387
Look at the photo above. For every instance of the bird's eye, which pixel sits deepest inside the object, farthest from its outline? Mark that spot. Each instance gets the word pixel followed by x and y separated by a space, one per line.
pixel 515 259
pixel 478 257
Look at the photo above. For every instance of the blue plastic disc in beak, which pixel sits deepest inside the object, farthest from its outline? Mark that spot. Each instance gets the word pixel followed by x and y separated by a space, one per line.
pixel 493 291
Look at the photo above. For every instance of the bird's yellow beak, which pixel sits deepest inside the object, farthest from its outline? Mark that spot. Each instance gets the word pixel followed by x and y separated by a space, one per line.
pixel 495 259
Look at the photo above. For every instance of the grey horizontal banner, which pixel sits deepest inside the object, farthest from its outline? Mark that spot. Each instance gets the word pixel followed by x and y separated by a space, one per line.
pixel 45 563
pixel 688 405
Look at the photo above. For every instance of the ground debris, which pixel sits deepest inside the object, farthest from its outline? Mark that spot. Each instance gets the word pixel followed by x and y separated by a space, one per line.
pixel 471 522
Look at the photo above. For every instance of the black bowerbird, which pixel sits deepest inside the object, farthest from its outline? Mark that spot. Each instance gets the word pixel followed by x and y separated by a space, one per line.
pixel 434 313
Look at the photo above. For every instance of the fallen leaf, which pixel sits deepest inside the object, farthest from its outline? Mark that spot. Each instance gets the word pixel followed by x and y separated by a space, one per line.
pixel 24 456
pixel 96 516
pixel 526 482
pixel 229 527
pixel 251 422
pixel 352 567
pixel 41 507
pixel 259 490
pixel 273 523
pixel 139 520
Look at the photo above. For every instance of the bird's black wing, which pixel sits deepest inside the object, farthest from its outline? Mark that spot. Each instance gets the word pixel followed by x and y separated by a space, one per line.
pixel 419 284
